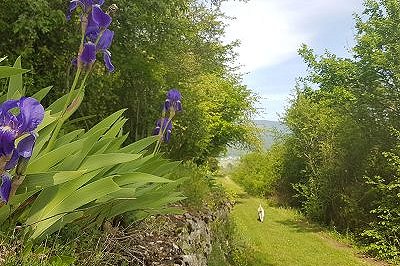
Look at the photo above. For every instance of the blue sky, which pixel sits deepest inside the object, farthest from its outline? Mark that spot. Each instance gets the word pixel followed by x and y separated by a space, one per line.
pixel 271 31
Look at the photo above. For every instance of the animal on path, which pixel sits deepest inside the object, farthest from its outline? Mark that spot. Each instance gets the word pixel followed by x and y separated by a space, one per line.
pixel 261 213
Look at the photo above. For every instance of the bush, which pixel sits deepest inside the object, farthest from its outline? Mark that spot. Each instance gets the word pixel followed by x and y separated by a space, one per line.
pixel 228 247
pixel 200 188
pixel 258 172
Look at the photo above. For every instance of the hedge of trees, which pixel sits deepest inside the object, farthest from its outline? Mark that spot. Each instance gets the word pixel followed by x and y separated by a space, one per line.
pixel 158 45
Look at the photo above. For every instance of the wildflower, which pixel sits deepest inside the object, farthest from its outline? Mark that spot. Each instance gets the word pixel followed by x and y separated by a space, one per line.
pixel 97 35
pixel 163 126
pixel 88 55
pixel 31 114
pixel 97 22
pixel 173 101
pixel 86 6
pixel 5 187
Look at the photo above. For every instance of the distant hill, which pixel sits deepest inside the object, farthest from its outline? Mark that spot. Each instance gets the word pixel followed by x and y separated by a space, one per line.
pixel 268 127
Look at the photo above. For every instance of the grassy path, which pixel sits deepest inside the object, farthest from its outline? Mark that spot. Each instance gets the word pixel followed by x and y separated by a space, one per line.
pixel 285 238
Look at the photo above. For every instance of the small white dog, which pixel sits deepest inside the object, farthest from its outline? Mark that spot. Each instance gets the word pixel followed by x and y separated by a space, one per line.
pixel 260 213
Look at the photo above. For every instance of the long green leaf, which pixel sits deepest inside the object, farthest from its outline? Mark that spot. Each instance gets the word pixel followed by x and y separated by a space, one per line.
pixel 44 136
pixel 149 201
pixel 73 162
pixel 116 144
pixel 15 85
pixel 42 93
pixel 139 145
pixel 66 219
pixel 102 160
pixel 50 198
pixel 13 204
pixel 58 105
pixel 44 162
pixel 47 120
pixel 132 166
pixel 165 168
pixel 106 122
pixel 140 178
pixel 115 128
pixel 122 193
pixel 47 179
pixel 6 71
pixel 67 138
pixel 77 199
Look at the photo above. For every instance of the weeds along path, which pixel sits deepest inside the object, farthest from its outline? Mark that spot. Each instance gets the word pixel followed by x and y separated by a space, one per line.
pixel 285 238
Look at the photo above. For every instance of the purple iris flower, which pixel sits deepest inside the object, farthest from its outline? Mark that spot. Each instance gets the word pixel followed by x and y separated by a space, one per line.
pixel 31 114
pixel 165 127
pixel 173 100
pixel 86 5
pixel 98 20
pixel 88 55
pixel 98 37
pixel 5 186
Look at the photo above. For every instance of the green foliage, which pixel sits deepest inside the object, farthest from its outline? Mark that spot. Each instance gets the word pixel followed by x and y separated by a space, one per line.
pixel 381 236
pixel 339 164
pixel 228 247
pixel 157 45
pixel 86 176
pixel 200 187
pixel 259 172
pixel 68 247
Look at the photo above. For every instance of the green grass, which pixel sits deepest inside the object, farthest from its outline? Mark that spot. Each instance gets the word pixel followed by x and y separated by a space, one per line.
pixel 233 189
pixel 285 238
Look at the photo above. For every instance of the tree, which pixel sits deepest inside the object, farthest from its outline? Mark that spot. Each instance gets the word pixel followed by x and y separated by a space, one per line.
pixel 158 45
pixel 344 133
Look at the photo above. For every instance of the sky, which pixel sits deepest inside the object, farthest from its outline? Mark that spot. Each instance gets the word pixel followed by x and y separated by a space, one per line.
pixel 271 32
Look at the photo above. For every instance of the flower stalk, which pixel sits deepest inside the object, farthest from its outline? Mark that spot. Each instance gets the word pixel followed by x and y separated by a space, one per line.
pixel 164 125
pixel 94 27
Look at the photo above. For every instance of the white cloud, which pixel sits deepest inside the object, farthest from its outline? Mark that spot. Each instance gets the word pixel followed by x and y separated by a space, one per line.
pixel 271 31
pixel 266 34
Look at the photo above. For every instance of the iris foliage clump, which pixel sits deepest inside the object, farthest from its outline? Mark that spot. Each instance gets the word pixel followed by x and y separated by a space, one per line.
pixel 51 179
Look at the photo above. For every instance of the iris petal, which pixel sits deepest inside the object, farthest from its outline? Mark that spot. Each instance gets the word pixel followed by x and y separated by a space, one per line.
pixel 167 136
pixel 173 100
pixel 167 105
pixel 166 128
pixel 72 6
pixel 31 114
pixel 92 29
pixel 174 95
pixel 88 55
pixel 13 161
pixel 25 146
pixel 5 187
pixel 105 40
pixel 107 61
pixel 100 17
pixel 156 131
pixel 6 142
pixel 8 105
pixel 178 106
